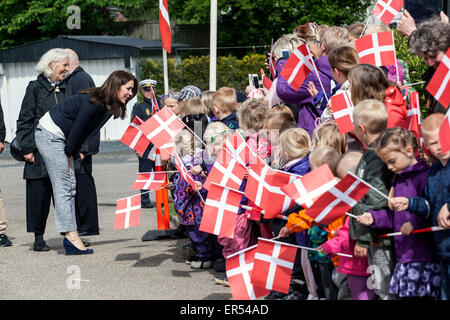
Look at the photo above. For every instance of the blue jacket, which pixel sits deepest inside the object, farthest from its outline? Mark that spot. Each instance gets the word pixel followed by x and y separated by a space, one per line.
pixel 436 194
pixel 231 121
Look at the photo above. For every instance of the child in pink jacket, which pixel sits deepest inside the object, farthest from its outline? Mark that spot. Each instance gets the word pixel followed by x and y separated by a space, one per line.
pixel 355 268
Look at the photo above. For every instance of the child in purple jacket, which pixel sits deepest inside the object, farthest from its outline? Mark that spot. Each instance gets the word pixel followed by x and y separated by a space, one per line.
pixel 417 273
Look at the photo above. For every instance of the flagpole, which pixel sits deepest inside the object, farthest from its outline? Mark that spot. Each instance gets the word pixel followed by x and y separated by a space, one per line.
pixel 166 73
pixel 317 74
pixel 370 186
pixel 312 249
pixel 395 56
pixel 213 46
pixel 431 229
pixel 136 195
pixel 412 84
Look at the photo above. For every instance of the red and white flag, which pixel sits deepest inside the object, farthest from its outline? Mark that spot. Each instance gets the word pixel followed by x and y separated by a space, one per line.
pixel 386 10
pixel 185 174
pixel 377 49
pixel 162 128
pixel 267 83
pixel 338 200
pixel 239 268
pixel 226 172
pixel 164 26
pixel 220 211
pixel 240 150
pixel 307 189
pixel 439 86
pixel 149 181
pixel 128 212
pixel 134 137
pixel 273 265
pixel 298 66
pixel 154 102
pixel 414 115
pixel 342 107
pixel 444 133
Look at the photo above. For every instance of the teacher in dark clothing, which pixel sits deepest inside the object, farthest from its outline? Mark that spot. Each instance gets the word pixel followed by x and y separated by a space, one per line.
pixel 60 135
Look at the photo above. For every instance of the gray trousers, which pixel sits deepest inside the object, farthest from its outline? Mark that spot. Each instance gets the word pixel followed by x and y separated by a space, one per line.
pixel 51 148
pixel 381 262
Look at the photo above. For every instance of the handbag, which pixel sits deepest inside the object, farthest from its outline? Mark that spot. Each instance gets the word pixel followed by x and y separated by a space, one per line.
pixel 16 150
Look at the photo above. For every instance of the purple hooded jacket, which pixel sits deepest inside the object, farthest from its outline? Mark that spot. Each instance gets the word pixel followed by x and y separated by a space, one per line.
pixel 307 112
pixel 415 247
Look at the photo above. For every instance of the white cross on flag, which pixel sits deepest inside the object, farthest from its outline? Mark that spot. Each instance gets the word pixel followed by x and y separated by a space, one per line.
pixel 298 66
pixel 162 128
pixel 444 133
pixel 185 174
pixel 414 114
pixel 264 189
pixel 164 26
pixel 267 83
pixel 439 86
pixel 149 181
pixel 337 200
pixel 240 150
pixel 133 136
pixel 377 49
pixel 128 212
pixel 239 268
pixel 307 189
pixel 273 265
pixel 226 172
pixel 386 10
pixel 342 107
pixel 220 211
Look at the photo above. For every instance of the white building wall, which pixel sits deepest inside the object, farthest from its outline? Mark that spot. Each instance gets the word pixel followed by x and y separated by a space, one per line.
pixel 14 78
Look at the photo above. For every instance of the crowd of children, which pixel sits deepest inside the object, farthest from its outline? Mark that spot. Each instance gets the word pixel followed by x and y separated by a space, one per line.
pixel 294 131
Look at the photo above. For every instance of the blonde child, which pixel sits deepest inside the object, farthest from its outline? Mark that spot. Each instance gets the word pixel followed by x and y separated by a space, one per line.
pixel 272 125
pixel 225 106
pixel 172 103
pixel 327 135
pixel 207 99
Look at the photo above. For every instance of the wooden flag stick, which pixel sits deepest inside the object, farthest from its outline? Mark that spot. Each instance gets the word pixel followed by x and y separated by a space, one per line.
pixel 312 249
pixel 431 229
pixel 351 215
pixel 370 186
pixel 412 84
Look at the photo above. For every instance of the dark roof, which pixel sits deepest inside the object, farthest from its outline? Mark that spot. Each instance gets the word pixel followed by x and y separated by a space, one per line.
pixel 87 47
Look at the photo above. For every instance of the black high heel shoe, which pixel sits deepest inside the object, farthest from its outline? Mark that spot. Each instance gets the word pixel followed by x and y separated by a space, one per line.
pixel 72 250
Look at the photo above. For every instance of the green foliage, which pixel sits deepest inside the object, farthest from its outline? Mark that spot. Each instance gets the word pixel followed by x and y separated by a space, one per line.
pixel 231 71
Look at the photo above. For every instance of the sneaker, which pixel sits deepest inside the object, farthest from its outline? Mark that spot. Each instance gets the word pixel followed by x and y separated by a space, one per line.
pixel 191 259
pixel 222 279
pixel 4 241
pixel 201 264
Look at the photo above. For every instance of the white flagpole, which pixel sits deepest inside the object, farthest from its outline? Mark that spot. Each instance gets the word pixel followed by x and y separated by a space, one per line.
pixel 395 56
pixel 351 215
pixel 317 73
pixel 370 186
pixel 213 46
pixel 166 72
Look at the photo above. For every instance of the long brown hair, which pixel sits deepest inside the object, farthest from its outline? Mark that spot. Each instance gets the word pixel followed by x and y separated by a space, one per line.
pixel 106 95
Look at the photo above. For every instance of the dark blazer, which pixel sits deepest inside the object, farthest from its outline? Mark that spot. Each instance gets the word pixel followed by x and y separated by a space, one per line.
pixel 39 98
pixel 2 126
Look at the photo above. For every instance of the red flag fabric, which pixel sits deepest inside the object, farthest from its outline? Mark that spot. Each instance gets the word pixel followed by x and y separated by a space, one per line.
pixel 162 128
pixel 377 49
pixel 342 107
pixel 267 83
pixel 444 133
pixel 220 211
pixel 154 102
pixel 134 137
pixel 149 181
pixel 226 172
pixel 386 10
pixel 164 26
pixel 439 85
pixel 240 150
pixel 273 265
pixel 414 115
pixel 185 174
pixel 239 268
pixel 128 212
pixel 298 66
pixel 307 189
pixel 337 200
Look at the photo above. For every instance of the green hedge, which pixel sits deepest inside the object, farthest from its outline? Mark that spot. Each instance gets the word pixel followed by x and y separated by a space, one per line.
pixel 231 71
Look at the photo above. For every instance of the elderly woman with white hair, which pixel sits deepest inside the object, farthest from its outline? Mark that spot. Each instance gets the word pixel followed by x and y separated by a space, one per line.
pixel 41 95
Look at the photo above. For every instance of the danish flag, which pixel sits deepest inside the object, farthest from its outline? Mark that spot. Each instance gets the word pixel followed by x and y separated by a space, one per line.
pixel 185 174
pixel 239 268
pixel 342 107
pixel 162 128
pixel 439 85
pixel 164 26
pixel 226 172
pixel 444 133
pixel 220 211
pixel 149 181
pixel 267 83
pixel 337 200
pixel 264 189
pixel 298 66
pixel 133 136
pixel 273 265
pixel 154 102
pixel 377 49
pixel 240 150
pixel 386 10
pixel 414 115
pixel 128 212
pixel 307 189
